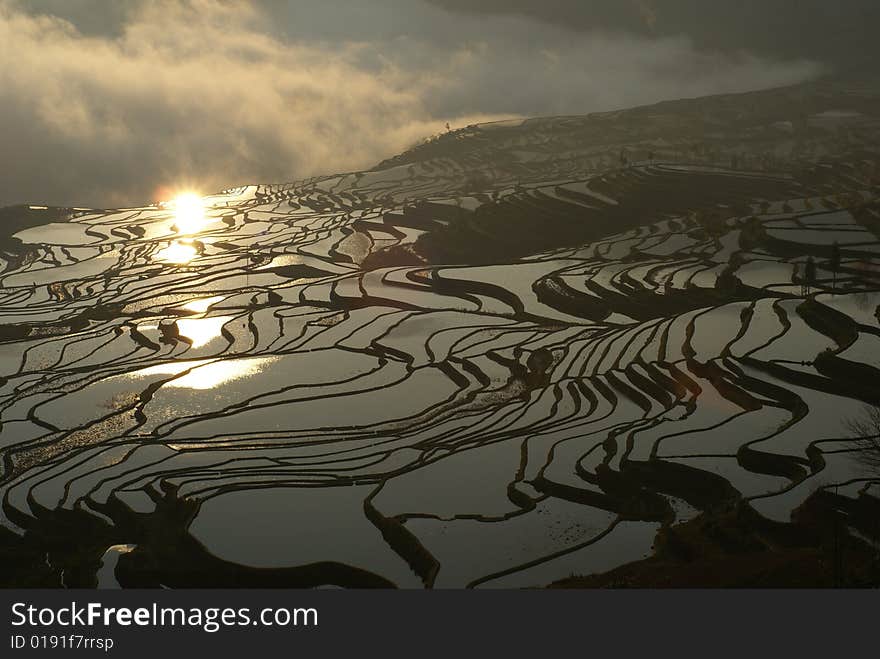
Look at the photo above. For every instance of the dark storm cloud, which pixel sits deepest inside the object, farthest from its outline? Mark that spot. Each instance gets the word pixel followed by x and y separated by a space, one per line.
pixel 107 102
pixel 839 32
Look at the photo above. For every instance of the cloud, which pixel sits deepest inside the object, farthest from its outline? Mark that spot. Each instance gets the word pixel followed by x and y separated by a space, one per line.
pixel 187 93
pixel 841 34
pixel 212 94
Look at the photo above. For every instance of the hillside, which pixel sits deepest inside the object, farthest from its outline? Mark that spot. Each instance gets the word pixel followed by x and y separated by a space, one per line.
pixel 550 339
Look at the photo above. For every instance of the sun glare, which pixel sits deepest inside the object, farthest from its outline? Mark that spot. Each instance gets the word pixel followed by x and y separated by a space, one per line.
pixel 218 373
pixel 189 213
pixel 177 252
pixel 201 305
pixel 202 330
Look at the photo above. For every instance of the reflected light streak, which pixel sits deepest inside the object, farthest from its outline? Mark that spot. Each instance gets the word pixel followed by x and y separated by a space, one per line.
pixel 203 304
pixel 202 330
pixel 177 252
pixel 219 373
pixel 172 368
pixel 205 374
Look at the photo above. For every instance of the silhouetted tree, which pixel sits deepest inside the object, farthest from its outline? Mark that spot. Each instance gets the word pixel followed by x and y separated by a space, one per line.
pixel 809 275
pixel 834 262
pixel 866 429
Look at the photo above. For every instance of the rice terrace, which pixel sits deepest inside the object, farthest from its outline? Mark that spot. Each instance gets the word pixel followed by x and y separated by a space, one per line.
pixel 630 348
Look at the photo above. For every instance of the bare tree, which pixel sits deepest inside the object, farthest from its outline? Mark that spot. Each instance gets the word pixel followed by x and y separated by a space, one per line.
pixel 866 429
pixel 834 262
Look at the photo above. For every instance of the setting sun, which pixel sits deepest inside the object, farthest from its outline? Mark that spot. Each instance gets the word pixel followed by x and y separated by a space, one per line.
pixel 189 213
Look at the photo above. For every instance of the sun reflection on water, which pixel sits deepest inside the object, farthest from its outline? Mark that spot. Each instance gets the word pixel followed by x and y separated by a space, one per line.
pixel 206 374
pixel 221 372
pixel 177 252
pixel 202 304
pixel 202 330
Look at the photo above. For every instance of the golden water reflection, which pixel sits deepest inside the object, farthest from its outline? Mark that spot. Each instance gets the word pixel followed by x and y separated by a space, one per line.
pixel 203 304
pixel 218 373
pixel 202 330
pixel 177 252
pixel 207 374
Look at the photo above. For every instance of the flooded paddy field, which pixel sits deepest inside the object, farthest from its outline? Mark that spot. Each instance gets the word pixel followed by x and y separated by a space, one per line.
pixel 516 353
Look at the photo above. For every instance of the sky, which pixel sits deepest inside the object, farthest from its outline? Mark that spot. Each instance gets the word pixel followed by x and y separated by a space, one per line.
pixel 122 103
